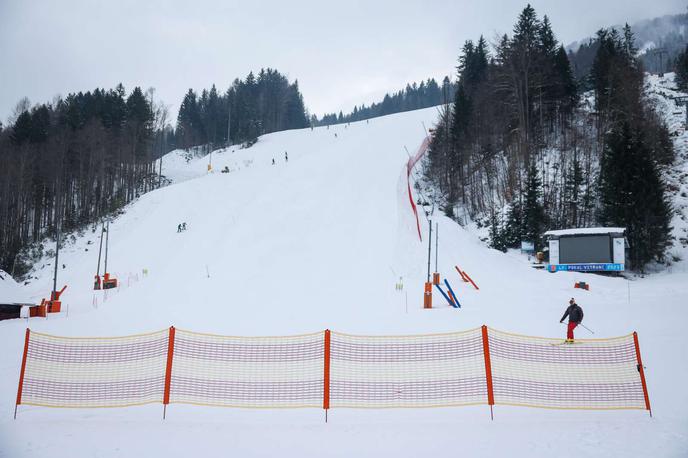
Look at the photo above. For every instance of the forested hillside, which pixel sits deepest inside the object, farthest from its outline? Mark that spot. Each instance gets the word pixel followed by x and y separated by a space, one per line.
pixel 659 40
pixel 524 147
pixel 257 105
pixel 70 162
pixel 413 97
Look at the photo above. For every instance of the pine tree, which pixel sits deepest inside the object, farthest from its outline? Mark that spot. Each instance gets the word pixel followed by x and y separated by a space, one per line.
pixel 567 90
pixel 295 111
pixel 496 234
pixel 632 195
pixel 533 211
pixel 513 228
pixel 682 70
pixel 572 194
pixel 188 121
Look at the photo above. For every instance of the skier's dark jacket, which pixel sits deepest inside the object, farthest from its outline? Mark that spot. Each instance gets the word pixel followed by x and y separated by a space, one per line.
pixel 574 312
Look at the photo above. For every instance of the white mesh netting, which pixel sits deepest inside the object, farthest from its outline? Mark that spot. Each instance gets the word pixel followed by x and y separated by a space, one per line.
pixel 407 371
pixel 588 374
pixel 95 372
pixel 248 371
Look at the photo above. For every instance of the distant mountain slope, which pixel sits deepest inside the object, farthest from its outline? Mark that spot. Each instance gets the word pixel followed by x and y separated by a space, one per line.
pixel 668 33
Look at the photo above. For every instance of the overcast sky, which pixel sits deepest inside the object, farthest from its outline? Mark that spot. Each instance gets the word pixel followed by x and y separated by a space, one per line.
pixel 343 53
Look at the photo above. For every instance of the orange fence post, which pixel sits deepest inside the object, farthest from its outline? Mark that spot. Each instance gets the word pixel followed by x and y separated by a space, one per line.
pixel 326 387
pixel 168 371
pixel 427 295
pixel 21 372
pixel 488 371
pixel 641 370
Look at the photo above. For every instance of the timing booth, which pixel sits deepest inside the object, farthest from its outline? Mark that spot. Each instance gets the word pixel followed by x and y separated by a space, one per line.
pixel 590 249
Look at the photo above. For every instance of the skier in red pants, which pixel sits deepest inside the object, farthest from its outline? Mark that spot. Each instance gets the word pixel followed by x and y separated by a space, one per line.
pixel 575 314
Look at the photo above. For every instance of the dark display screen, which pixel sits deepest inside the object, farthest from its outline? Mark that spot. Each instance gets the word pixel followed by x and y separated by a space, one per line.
pixel 585 249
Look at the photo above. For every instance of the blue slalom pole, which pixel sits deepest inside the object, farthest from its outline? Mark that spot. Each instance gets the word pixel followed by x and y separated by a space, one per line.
pixel 445 296
pixel 451 291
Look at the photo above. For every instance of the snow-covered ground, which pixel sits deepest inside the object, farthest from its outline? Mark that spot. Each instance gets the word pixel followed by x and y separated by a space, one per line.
pixel 662 91
pixel 319 242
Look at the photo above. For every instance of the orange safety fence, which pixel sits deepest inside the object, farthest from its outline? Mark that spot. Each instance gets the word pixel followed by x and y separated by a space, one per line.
pixel 332 370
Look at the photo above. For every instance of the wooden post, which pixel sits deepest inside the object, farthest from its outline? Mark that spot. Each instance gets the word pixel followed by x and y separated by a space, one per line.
pixel 21 373
pixel 488 371
pixel 326 378
pixel 641 370
pixel 168 372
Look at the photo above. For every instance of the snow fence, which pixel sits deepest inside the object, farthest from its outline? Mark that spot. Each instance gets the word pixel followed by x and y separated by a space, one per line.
pixel 331 370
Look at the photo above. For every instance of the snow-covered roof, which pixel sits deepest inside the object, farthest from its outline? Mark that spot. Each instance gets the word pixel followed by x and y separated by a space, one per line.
pixel 586 231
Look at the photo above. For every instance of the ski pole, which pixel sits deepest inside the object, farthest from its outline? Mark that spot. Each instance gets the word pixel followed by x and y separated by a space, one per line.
pixel 591 331
pixel 580 324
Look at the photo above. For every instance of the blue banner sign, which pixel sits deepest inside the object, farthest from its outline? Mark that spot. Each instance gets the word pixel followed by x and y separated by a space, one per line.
pixel 586 267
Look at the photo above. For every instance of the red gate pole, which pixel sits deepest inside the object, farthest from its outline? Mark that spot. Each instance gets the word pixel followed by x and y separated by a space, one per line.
pixel 326 388
pixel 21 373
pixel 641 370
pixel 168 372
pixel 488 371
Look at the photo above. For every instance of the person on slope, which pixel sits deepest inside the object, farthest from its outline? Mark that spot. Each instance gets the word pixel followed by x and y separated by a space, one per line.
pixel 575 314
pixel 286 157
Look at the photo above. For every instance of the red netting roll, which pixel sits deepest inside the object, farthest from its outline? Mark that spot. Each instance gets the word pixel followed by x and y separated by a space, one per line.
pixel 94 372
pixel 248 371
pixel 407 371
pixel 588 374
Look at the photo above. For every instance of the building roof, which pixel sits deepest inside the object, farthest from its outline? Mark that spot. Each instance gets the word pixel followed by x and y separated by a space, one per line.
pixel 586 231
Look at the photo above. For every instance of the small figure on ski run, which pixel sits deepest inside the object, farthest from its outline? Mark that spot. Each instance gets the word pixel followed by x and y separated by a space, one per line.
pixel 273 161
pixel 179 228
pixel 286 157
pixel 575 314
pixel 184 228
pixel 335 135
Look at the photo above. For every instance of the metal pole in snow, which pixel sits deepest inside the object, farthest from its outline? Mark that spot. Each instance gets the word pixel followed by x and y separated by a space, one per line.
pixel 100 249
pixel 437 242
pixel 429 248
pixel 107 241
pixel 57 252
pixel 229 121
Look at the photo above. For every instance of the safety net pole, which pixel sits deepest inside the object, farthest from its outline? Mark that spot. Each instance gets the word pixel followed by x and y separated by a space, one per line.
pixel 168 371
pixel 326 375
pixel 488 370
pixel 641 370
pixel 21 373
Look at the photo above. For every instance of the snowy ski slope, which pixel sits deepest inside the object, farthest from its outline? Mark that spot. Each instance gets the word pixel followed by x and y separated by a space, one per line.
pixel 319 242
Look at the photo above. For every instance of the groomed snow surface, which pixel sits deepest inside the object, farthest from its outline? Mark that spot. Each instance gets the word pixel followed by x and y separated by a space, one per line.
pixel 319 242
